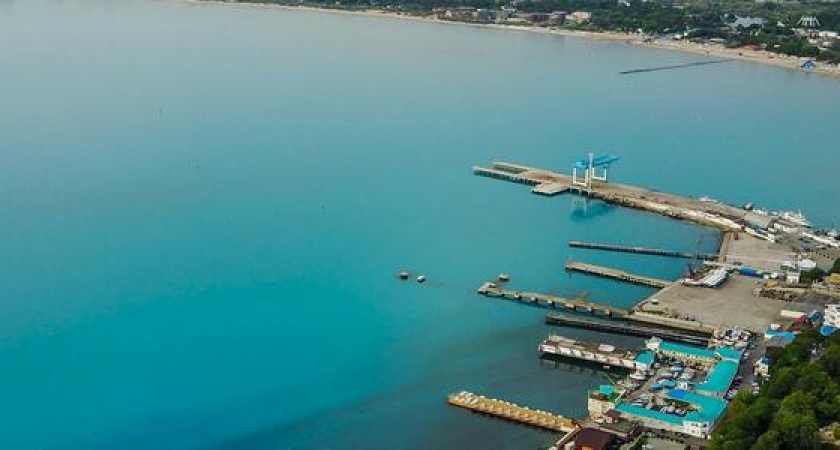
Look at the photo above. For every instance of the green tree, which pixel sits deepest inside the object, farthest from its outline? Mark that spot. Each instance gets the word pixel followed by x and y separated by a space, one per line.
pixel 768 441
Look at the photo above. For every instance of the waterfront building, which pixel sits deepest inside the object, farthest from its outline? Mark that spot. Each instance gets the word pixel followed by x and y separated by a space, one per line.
pixel 704 414
pixel 825 257
pixel 747 22
pixel 579 16
pixel 483 15
pixel 762 367
pixel 718 379
pixel 593 439
pixel 832 316
pixel 596 352
pixel 463 13
pixel 759 221
pixel 694 355
pixel 602 400
pixel 505 13
pixel 557 18
pixel 536 18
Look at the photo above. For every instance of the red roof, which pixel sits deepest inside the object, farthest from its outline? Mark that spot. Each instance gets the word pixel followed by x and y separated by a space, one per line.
pixel 593 439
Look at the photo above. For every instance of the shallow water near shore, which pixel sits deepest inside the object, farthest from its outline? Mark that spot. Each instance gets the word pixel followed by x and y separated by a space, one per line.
pixel 205 207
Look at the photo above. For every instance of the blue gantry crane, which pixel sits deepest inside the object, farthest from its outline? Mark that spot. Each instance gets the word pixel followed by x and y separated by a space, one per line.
pixel 590 166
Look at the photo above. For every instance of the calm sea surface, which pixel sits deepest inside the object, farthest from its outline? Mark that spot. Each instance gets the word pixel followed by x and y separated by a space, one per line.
pixel 203 208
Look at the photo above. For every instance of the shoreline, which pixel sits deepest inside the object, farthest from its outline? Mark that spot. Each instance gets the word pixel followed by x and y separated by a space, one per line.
pixel 762 57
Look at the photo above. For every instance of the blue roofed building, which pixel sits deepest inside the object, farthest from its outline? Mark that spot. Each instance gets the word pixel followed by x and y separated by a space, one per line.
pixel 690 408
pixel 603 400
pixel 704 413
pixel 776 338
pixel 719 379
pixel 694 355
pixel 645 359
pixel 728 353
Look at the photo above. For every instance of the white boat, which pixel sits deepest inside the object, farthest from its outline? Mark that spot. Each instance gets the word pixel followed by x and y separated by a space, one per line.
pixel 637 376
pixel 795 218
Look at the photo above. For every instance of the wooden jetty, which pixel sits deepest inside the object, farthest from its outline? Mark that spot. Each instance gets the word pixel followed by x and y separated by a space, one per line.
pixel 624 328
pixel 640 250
pixel 617 274
pixel 512 411
pixel 491 289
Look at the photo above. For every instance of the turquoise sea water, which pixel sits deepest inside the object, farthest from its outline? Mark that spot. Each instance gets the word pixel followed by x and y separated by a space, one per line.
pixel 204 207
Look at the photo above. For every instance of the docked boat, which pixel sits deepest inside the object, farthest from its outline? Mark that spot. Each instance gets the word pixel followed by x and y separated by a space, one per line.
pixel 637 376
pixel 795 218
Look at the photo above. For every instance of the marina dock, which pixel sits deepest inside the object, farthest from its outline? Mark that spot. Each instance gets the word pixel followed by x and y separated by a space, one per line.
pixel 616 274
pixel 640 250
pixel 618 327
pixel 490 289
pixel 600 353
pixel 512 411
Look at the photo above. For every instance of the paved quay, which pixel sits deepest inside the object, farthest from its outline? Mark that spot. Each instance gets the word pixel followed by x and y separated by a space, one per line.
pixel 735 303
pixel 712 214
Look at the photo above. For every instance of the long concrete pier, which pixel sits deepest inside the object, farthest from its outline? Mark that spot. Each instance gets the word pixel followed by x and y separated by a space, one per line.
pixel 711 214
pixel 624 328
pixel 609 272
pixel 490 289
pixel 544 182
pixel 640 250
pixel 512 411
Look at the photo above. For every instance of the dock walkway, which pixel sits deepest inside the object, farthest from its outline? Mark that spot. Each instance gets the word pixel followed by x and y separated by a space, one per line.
pixel 639 250
pixel 600 353
pixel 512 411
pixel 490 289
pixel 617 274
pixel 624 328
pixel 544 182
pixel 711 214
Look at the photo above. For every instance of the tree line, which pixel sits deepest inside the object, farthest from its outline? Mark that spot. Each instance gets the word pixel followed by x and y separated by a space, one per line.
pixel 801 396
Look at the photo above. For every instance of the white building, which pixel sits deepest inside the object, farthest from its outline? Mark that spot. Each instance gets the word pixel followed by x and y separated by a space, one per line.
pixel 832 316
pixel 579 16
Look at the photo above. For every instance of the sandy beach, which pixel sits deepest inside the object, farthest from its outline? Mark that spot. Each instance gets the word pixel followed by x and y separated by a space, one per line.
pixel 712 50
